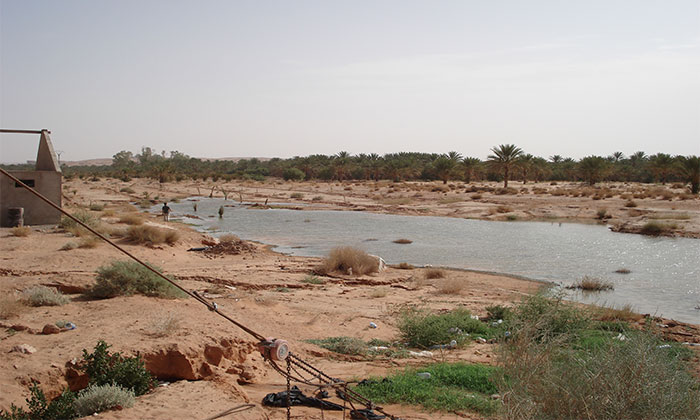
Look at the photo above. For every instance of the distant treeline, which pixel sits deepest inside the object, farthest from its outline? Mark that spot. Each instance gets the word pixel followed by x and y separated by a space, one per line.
pixel 507 162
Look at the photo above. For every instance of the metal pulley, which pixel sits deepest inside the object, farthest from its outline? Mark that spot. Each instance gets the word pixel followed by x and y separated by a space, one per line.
pixel 274 349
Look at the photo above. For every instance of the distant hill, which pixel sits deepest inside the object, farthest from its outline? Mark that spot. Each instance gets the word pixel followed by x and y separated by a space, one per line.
pixel 108 161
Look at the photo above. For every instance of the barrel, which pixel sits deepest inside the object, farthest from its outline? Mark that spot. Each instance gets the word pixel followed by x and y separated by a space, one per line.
pixel 15 216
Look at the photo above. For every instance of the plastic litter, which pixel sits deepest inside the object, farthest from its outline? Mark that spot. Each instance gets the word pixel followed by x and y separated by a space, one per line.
pixel 372 325
pixel 424 353
pixel 366 414
pixel 424 375
pixel 664 346
pixel 378 348
pixel 69 326
pixel 481 340
pixel 620 337
pixel 474 317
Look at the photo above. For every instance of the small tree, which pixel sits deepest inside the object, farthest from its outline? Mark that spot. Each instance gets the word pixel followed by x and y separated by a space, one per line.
pixel 504 157
pixel 690 168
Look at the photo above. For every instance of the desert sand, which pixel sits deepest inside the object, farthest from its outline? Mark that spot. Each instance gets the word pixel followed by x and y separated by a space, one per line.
pixel 209 365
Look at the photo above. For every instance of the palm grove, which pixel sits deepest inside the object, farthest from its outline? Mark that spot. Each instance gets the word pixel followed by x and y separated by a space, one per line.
pixel 505 163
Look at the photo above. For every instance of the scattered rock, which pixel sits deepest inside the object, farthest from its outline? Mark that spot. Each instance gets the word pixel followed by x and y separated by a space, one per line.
pixel 19 327
pixel 50 329
pixel 24 349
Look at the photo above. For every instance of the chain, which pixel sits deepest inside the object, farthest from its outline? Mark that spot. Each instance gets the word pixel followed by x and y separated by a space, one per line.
pixel 289 389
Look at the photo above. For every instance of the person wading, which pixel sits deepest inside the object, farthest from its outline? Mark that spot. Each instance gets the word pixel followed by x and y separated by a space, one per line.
pixel 166 212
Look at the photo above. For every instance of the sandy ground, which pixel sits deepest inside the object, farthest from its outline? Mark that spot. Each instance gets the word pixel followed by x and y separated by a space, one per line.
pixel 211 365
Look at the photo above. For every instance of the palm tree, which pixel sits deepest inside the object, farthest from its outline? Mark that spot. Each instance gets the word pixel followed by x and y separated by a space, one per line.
pixel 556 158
pixel 690 168
pixel 471 165
pixel 444 166
pixel 617 156
pixel 525 163
pixel 592 168
pixel 661 165
pixel 503 159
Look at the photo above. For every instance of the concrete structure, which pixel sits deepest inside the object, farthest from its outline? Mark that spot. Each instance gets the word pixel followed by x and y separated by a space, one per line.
pixel 46 179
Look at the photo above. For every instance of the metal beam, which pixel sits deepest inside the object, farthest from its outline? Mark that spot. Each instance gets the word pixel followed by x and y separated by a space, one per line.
pixel 9 130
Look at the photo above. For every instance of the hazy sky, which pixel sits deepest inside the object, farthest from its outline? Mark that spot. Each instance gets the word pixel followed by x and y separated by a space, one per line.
pixel 285 78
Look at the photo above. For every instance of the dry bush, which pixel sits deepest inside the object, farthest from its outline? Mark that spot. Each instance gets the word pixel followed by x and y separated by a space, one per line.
pixel 450 286
pixel 405 266
pixel 68 246
pixel 20 231
pixel 131 219
pixel 624 313
pixel 151 235
pixel 108 213
pixel 165 326
pixel 504 209
pixel 403 241
pixel 88 242
pixel 655 228
pixel 476 196
pixel 10 307
pixel 229 238
pixel 349 260
pixel 379 293
pixel 623 271
pixel 630 203
pixel 591 284
pixel 44 296
pixel 435 273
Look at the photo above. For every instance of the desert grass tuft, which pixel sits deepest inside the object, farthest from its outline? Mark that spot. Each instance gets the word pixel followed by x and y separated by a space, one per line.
pixel 450 286
pixel 349 260
pixel 131 219
pixel 623 271
pixel 44 296
pixel 612 313
pixel 405 266
pixel 434 273
pixel 229 238
pixel 20 231
pixel 89 242
pixel 10 307
pixel 165 326
pixel 151 235
pixel 403 241
pixel 311 279
pixel 591 284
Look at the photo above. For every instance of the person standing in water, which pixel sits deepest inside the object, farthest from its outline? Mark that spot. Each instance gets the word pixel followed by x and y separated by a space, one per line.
pixel 166 212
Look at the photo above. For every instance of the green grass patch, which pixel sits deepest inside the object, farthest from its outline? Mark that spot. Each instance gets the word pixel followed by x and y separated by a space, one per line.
pixel 311 279
pixel 422 328
pixel 355 347
pixel 451 387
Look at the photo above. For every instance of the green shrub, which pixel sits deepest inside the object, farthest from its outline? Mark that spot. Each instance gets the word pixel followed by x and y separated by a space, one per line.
pixel 343 345
pixel 125 278
pixel 84 216
pixel 634 378
pixel 98 398
pixel 105 368
pixel 20 231
pixel 44 296
pixel 97 207
pixel 420 328
pixel 546 319
pixel 311 279
pixel 499 312
pixel 451 387
pixel 293 174
pixel 61 408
